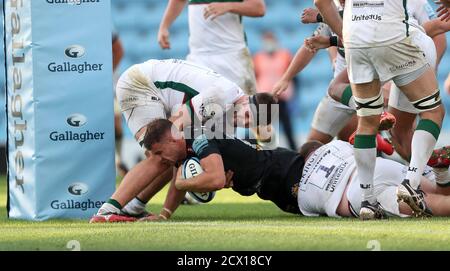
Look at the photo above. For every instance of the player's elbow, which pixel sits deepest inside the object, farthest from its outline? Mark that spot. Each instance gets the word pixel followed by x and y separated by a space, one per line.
pixel 260 9
pixel 218 182
pixel 319 3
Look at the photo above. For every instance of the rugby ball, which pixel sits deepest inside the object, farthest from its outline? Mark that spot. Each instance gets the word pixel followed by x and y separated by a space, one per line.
pixel 190 168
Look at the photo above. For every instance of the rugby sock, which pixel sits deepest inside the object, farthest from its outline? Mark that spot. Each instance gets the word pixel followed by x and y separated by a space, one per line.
pixel 428 173
pixel 423 142
pixel 365 149
pixel 134 207
pixel 442 177
pixel 110 206
pixel 348 99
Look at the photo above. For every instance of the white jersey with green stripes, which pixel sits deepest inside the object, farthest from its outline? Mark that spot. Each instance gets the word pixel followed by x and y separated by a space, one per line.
pixel 222 35
pixel 374 23
pixel 157 88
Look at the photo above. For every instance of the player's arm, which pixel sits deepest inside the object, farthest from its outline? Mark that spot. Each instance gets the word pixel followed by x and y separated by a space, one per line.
pixel 173 10
pixel 211 179
pixel 173 200
pixel 330 15
pixel 444 10
pixel 311 16
pixel 436 27
pixel 332 54
pixel 249 8
pixel 301 59
pixel 440 41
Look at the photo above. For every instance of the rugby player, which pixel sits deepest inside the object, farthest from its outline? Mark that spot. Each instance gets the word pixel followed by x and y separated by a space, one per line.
pixel 318 180
pixel 330 116
pixel 379 48
pixel 217 40
pixel 401 134
pixel 186 93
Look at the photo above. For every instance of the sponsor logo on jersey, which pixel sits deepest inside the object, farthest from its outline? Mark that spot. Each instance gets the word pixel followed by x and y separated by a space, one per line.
pixel 368 4
pixel 369 17
pixel 403 66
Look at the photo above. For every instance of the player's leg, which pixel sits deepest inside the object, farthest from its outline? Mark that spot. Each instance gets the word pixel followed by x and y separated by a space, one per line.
pixel 402 132
pixel 424 93
pixel 388 175
pixel 440 161
pixel 405 63
pixel 438 203
pixel 136 207
pixel 369 100
pixel 329 119
pixel 138 112
pixel 402 108
pixel 348 130
pixel 341 91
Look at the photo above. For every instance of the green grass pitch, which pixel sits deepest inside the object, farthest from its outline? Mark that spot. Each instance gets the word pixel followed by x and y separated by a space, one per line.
pixel 229 222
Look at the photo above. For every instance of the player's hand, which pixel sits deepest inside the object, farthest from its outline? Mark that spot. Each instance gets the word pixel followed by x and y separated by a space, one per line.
pixel 229 179
pixel 179 179
pixel 215 10
pixel 280 87
pixel 445 3
pixel 443 10
pixel 309 16
pixel 163 38
pixel 313 44
pixel 152 217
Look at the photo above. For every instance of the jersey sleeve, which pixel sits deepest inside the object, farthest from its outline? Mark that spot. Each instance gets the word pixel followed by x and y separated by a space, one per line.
pixel 203 147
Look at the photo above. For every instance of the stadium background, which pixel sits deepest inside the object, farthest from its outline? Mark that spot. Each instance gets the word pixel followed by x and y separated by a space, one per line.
pixel 137 23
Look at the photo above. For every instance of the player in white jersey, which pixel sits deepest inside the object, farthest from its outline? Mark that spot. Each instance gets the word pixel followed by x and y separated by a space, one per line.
pixel 330 116
pixel 330 185
pixel 216 36
pixel 379 48
pixel 157 88
pixel 420 13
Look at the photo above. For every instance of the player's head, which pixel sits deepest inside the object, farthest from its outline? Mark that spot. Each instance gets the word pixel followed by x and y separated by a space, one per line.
pixel 164 140
pixel 255 110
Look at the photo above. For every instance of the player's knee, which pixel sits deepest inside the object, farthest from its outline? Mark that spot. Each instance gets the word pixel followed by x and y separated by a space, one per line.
pixel 333 93
pixel 369 107
pixel 430 107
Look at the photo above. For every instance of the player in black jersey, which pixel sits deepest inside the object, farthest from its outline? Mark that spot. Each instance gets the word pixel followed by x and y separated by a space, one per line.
pixel 271 174
pixel 326 184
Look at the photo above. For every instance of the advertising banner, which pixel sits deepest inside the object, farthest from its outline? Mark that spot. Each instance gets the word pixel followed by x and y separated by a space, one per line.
pixel 59 107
